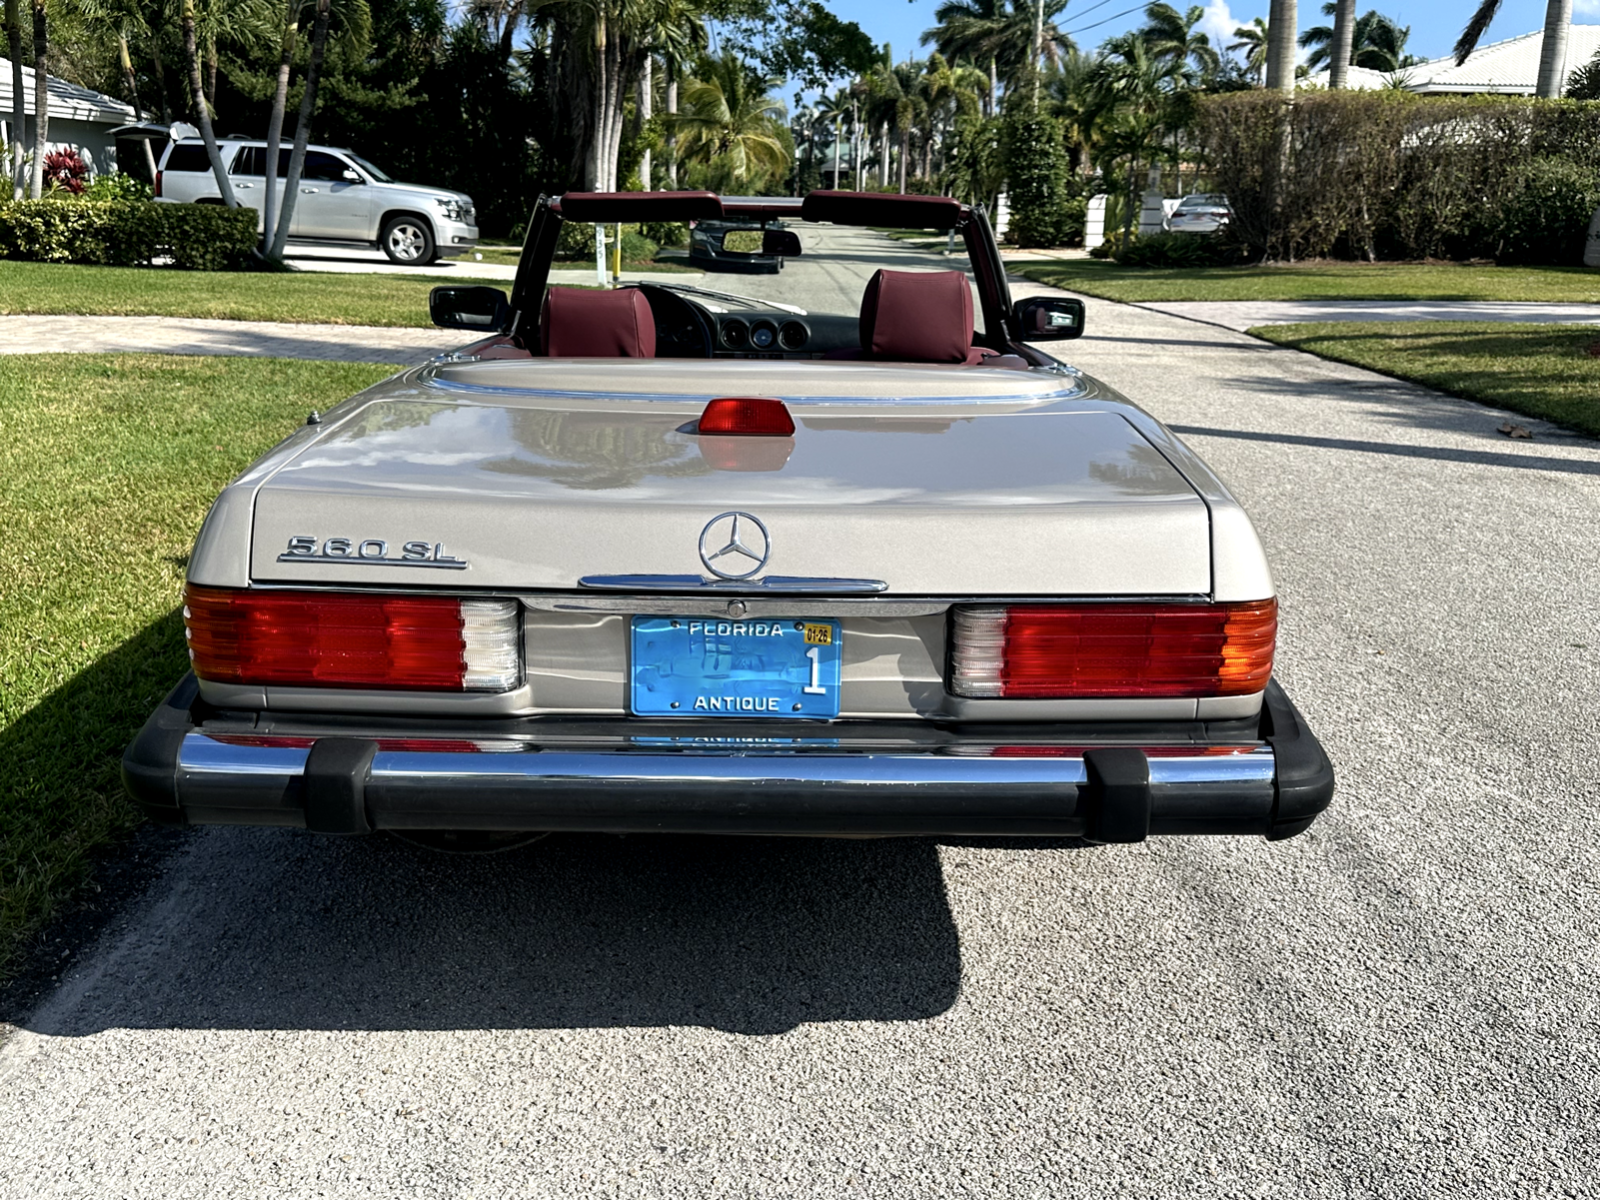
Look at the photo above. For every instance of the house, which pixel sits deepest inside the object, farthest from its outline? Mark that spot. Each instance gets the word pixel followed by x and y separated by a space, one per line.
pixel 80 119
pixel 1508 68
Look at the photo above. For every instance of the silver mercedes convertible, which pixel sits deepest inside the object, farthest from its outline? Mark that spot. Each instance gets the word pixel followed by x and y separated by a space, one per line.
pixel 836 550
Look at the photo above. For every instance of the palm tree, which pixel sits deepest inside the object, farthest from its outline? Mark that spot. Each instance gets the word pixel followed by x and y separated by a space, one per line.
pixel 1552 52
pixel 1070 97
pixel 1254 39
pixel 19 103
pixel 1376 42
pixel 729 124
pixel 1172 34
pixel 41 97
pixel 1344 19
pixel 840 107
pixel 1136 100
pixel 1001 33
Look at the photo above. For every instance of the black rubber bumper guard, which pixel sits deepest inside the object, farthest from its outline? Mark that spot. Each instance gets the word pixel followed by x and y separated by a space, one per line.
pixel 1113 805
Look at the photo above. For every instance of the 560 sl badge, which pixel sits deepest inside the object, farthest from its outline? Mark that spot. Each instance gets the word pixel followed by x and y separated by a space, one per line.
pixel 372 551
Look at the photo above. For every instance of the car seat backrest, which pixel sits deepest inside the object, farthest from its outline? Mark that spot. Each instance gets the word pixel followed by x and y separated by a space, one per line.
pixel 917 316
pixel 590 323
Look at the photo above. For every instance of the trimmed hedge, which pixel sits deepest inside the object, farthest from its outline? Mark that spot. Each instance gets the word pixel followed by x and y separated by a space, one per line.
pixel 127 233
pixel 1391 175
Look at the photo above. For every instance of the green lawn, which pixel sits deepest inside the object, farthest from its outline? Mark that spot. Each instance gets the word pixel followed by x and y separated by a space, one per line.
pixel 318 298
pixel 107 466
pixel 1319 281
pixel 1548 371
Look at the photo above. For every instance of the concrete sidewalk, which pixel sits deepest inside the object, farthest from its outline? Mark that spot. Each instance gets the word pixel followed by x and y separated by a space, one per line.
pixel 256 339
pixel 1241 315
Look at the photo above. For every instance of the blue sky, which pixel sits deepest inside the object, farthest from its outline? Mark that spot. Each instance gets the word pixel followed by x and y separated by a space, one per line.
pixel 1435 24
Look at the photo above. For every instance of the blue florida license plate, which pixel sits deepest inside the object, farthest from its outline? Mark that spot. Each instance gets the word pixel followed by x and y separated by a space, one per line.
pixel 708 666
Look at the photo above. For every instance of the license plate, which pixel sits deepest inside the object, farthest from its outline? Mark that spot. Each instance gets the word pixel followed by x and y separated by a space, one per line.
pixel 713 667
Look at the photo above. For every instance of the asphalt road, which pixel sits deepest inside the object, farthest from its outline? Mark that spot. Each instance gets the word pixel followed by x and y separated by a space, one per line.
pixel 1401 1002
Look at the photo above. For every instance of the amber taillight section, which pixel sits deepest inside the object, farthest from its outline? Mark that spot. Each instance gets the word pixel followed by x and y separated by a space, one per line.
pixel 341 639
pixel 1138 650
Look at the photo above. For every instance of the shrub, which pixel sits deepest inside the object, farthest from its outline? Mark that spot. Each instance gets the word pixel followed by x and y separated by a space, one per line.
pixel 204 237
pixel 1036 170
pixel 118 185
pixel 636 247
pixel 666 233
pixel 1545 219
pixel 575 241
pixel 1117 242
pixel 1372 174
pixel 1179 250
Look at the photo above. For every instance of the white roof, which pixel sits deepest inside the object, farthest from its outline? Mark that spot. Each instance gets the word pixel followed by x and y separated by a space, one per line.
pixel 1508 68
pixel 67 100
pixel 1359 79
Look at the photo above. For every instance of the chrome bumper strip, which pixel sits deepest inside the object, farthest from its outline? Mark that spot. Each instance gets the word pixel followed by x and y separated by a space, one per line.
pixel 201 754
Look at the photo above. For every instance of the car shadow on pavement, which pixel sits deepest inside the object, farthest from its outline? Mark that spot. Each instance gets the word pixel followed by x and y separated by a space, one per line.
pixel 279 929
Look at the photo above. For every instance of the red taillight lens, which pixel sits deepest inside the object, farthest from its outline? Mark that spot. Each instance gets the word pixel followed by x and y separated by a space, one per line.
pixel 157 189
pixel 330 639
pixel 1059 651
pixel 747 415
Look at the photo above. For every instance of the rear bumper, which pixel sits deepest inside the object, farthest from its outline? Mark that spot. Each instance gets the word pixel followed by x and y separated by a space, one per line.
pixel 1272 779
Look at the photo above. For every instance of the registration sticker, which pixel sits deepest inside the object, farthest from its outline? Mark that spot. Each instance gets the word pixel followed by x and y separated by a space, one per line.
pixel 716 667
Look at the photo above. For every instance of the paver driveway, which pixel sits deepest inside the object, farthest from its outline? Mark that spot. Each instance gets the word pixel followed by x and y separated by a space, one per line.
pixel 1400 1003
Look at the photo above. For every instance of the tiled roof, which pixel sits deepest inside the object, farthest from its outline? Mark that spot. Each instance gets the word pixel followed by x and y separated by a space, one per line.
pixel 67 100
pixel 1509 67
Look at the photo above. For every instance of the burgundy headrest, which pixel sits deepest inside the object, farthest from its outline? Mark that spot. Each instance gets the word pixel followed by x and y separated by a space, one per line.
pixel 591 323
pixel 917 316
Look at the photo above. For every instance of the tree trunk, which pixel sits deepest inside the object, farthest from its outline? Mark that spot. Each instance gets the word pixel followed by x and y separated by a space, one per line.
pixel 19 100
pixel 647 109
pixel 41 97
pixel 994 86
pixel 158 66
pixel 1553 53
pixel 302 132
pixel 672 137
pixel 1038 48
pixel 905 155
pixel 1344 30
pixel 197 95
pixel 883 155
pixel 131 82
pixel 211 74
pixel 280 101
pixel 1282 28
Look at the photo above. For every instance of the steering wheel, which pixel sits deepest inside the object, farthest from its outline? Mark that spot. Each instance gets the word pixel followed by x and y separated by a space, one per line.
pixel 682 329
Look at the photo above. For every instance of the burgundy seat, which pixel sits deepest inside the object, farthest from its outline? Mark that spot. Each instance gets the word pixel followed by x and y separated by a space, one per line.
pixel 918 316
pixel 591 323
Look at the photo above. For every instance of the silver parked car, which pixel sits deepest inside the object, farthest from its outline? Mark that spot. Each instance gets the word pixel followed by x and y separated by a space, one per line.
pixel 1200 213
pixel 343 199
pixel 842 551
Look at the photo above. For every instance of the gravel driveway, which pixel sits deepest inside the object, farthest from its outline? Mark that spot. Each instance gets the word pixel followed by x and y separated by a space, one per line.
pixel 1399 1003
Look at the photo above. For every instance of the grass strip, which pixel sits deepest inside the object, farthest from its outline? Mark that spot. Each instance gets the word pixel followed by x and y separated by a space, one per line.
pixel 320 298
pixel 1317 281
pixel 107 466
pixel 1546 371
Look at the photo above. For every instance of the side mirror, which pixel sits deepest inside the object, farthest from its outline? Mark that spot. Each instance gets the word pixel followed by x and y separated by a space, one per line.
pixel 780 243
pixel 350 176
pixel 1046 320
pixel 483 309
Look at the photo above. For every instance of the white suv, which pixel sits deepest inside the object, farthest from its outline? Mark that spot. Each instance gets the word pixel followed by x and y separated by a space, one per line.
pixel 343 199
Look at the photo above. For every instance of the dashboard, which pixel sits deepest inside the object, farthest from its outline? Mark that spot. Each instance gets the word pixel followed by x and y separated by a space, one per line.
pixel 686 329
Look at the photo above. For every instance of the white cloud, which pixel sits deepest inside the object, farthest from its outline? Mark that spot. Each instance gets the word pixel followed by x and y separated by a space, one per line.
pixel 1218 23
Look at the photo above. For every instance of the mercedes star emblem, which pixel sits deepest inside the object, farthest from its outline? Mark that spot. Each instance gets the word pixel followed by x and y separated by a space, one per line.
pixel 743 541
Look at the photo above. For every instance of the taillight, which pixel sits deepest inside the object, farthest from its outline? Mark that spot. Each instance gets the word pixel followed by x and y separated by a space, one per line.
pixel 342 639
pixel 1060 651
pixel 750 416
pixel 157 189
